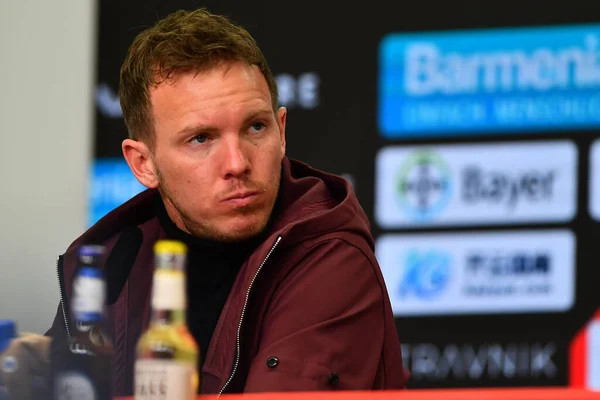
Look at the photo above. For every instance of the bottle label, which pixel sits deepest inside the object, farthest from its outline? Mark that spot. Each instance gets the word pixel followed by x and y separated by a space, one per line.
pixel 74 385
pixel 165 380
pixel 88 295
pixel 168 290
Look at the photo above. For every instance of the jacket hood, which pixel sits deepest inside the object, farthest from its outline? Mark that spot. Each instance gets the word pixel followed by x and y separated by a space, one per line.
pixel 317 203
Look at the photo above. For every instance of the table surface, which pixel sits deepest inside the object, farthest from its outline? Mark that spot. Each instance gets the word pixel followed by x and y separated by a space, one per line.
pixel 421 394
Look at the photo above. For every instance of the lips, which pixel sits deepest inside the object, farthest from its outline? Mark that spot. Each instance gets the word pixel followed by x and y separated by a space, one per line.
pixel 241 198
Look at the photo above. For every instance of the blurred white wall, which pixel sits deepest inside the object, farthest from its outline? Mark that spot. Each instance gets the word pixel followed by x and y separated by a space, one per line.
pixel 47 59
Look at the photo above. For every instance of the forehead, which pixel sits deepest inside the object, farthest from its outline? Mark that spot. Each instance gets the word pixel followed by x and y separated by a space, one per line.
pixel 228 85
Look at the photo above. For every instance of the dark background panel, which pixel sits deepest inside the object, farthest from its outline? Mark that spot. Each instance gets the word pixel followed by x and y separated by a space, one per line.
pixel 339 43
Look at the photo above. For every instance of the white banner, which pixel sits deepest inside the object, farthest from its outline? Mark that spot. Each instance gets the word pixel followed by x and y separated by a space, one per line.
pixel 476 184
pixel 468 273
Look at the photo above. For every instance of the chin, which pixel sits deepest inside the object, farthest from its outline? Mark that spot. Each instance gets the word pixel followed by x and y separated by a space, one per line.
pixel 238 235
pixel 244 229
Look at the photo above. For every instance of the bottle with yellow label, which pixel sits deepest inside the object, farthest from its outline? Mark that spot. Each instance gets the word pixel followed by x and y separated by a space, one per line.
pixel 167 355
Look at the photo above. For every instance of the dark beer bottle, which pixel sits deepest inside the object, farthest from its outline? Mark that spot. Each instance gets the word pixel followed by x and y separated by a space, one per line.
pixel 81 365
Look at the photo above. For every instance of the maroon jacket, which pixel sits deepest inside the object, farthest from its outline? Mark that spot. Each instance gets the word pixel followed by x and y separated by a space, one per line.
pixel 309 309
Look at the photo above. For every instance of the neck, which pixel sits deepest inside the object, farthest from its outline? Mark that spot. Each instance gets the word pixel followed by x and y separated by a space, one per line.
pixel 173 215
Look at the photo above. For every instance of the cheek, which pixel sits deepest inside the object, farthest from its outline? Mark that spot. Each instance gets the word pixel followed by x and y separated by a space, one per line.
pixel 267 161
pixel 194 189
pixel 184 176
pixel 272 154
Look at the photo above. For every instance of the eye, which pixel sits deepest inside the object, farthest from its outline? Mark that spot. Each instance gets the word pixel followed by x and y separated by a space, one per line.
pixel 200 139
pixel 258 127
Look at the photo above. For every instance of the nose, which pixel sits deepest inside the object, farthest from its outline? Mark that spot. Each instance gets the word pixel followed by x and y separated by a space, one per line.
pixel 236 162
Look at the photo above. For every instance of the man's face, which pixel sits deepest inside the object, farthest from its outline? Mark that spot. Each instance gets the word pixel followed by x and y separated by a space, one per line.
pixel 218 148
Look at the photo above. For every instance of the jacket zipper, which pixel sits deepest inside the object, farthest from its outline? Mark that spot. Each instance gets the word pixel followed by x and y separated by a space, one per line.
pixel 63 293
pixel 239 330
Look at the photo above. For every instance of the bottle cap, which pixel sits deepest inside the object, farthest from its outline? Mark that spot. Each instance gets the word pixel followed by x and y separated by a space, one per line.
pixel 169 246
pixel 8 332
pixel 91 255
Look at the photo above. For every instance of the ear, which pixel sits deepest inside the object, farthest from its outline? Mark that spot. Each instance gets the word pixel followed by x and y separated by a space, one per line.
pixel 141 163
pixel 281 118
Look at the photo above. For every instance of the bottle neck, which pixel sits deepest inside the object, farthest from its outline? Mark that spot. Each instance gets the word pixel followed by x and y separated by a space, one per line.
pixel 168 297
pixel 168 317
pixel 82 326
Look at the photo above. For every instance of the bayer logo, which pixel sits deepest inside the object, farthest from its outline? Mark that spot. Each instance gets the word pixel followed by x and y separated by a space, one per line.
pixel 423 185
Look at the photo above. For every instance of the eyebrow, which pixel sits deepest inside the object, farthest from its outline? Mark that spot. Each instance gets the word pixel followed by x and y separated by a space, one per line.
pixel 256 113
pixel 213 129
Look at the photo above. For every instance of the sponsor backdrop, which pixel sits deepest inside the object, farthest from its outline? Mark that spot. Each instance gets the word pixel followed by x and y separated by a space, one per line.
pixel 471 134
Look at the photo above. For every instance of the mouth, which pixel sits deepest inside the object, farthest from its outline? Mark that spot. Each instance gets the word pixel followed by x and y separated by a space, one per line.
pixel 241 199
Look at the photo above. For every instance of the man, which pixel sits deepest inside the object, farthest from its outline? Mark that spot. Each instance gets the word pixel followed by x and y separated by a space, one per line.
pixel 284 291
